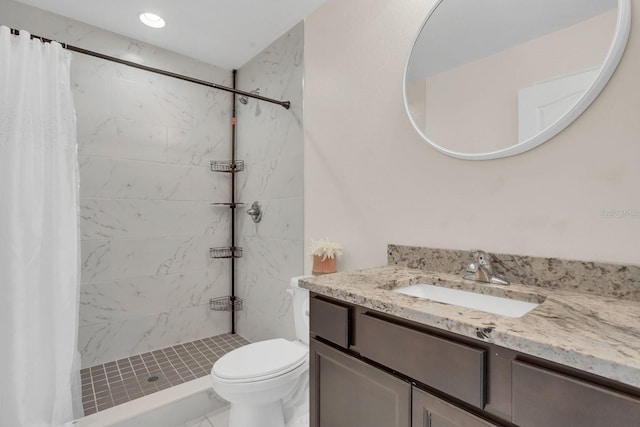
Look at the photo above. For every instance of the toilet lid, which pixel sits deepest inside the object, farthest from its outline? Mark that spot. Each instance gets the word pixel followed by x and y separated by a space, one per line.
pixel 260 359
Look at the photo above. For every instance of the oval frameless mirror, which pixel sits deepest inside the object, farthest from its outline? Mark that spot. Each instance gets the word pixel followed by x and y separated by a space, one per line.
pixel 494 78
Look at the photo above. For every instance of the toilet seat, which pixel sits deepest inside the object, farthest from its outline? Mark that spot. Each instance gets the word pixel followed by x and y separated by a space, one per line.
pixel 260 361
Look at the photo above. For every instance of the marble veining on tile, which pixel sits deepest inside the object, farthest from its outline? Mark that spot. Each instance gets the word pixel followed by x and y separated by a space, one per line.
pixel 144 144
pixel 612 280
pixel 270 142
pixel 597 334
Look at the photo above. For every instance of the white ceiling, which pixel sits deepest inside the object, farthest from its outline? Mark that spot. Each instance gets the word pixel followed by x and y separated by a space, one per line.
pixel 226 33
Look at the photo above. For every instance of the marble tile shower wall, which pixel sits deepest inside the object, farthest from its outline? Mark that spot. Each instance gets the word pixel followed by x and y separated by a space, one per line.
pixel 146 215
pixel 270 140
pixel 145 142
pixel 146 218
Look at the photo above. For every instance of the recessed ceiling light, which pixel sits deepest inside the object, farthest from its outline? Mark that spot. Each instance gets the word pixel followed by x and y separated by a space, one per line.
pixel 152 20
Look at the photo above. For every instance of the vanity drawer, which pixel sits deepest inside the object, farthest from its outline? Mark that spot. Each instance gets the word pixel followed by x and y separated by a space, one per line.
pixel 330 321
pixel 542 397
pixel 453 368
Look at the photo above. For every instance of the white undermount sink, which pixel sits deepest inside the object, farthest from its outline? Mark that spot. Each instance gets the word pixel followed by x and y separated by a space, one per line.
pixel 488 303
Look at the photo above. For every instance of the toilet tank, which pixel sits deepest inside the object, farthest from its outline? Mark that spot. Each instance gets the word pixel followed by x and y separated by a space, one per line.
pixel 300 308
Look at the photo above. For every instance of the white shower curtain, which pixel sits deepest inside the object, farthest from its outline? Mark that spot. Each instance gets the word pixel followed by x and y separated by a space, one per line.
pixel 39 259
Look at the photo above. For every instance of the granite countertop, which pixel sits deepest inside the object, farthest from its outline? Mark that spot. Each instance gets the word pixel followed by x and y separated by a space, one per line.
pixel 596 334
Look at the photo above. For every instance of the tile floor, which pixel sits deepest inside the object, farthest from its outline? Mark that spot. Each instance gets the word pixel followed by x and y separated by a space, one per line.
pixel 220 418
pixel 113 383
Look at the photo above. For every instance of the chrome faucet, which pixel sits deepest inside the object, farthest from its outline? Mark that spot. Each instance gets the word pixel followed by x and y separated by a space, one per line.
pixel 481 270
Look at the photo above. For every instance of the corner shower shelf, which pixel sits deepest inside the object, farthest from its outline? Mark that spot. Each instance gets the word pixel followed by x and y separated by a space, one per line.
pixel 227 166
pixel 230 303
pixel 226 252
pixel 226 303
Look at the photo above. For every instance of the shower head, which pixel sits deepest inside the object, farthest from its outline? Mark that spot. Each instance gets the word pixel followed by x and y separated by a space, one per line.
pixel 244 100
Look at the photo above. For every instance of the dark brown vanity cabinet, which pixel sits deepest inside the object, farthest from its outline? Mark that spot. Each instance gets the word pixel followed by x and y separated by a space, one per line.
pixel 347 392
pixel 330 321
pixel 453 368
pixel 371 369
pixel 542 397
pixel 430 411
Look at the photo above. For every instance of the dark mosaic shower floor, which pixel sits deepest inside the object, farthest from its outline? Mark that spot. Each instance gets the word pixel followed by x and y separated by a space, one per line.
pixel 108 385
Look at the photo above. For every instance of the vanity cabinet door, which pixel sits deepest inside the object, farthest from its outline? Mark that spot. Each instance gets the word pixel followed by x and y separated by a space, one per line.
pixel 542 397
pixel 429 411
pixel 346 392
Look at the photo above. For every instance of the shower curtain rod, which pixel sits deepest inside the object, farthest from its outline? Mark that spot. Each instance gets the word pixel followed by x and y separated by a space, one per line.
pixel 285 104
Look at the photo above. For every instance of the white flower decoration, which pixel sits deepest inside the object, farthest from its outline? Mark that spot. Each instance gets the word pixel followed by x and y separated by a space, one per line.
pixel 325 249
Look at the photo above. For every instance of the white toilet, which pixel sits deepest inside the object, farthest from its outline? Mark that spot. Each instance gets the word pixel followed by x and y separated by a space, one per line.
pixel 257 377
